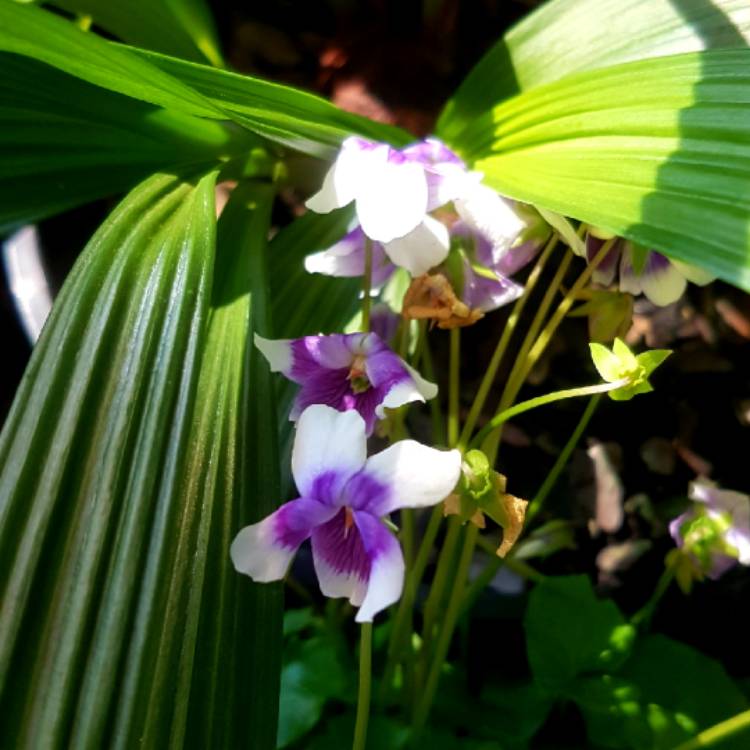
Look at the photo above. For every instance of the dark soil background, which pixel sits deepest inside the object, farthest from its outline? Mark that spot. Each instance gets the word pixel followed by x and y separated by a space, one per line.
pixel 398 61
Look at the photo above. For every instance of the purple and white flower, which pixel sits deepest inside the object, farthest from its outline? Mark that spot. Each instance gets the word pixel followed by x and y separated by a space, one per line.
pixel 394 191
pixel 661 279
pixel 343 497
pixel 346 371
pixel 715 531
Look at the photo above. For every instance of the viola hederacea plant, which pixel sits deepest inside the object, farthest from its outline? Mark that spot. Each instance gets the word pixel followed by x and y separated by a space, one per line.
pixel 312 448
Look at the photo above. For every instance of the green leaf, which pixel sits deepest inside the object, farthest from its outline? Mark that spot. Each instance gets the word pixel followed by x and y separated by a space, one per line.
pixel 183 28
pixel 569 631
pixel 141 439
pixel 293 118
pixel 33 32
pixel 666 693
pixel 64 142
pixel 657 151
pixel 570 36
pixel 282 114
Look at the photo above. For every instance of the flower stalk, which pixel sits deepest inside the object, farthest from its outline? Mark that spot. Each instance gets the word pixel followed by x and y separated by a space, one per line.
pixel 365 684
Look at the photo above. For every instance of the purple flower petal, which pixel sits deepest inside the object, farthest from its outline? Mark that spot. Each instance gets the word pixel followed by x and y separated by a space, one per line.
pixel 485 294
pixel 264 550
pixel 660 281
pixel 386 575
pixel 341 562
pixel 347 259
pixel 384 322
pixel 604 273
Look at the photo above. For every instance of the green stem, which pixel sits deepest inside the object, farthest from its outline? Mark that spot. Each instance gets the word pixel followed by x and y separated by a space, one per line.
pixel 402 622
pixel 502 344
pixel 436 415
pixel 548 398
pixel 538 501
pixel 439 582
pixel 446 632
pixel 365 682
pixel 642 618
pixel 367 286
pixel 453 386
pixel 718 733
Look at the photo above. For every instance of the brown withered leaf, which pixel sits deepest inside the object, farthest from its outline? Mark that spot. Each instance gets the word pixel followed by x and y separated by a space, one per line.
pixel 431 297
pixel 515 513
pixel 452 507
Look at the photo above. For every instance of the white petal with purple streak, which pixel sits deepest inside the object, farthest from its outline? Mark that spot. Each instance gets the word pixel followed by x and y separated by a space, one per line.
pixel 386 577
pixel 327 441
pixel 487 212
pixel 422 249
pixel 415 475
pixel 264 550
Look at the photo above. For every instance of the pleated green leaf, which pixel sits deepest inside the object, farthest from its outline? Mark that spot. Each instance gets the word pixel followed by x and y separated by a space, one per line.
pixel 569 36
pixel 282 114
pixel 141 439
pixel 34 32
pixel 183 28
pixel 64 142
pixel 293 118
pixel 658 151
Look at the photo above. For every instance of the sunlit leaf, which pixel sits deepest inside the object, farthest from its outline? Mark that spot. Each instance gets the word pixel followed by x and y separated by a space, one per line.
pixel 569 36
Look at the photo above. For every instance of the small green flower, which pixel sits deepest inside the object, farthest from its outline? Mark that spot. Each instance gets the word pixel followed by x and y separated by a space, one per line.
pixel 622 364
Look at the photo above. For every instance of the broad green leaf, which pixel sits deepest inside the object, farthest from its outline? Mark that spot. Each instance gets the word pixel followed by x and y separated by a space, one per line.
pixel 131 457
pixel 64 142
pixel 294 118
pixel 569 631
pixel 282 114
pixel 657 151
pixel 569 36
pixel 183 28
pixel 666 693
pixel 34 32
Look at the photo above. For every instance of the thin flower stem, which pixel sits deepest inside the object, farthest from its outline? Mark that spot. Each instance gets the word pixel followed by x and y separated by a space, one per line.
pixel 446 632
pixel 436 415
pixel 502 344
pixel 437 591
pixel 562 310
pixel 367 286
pixel 510 390
pixel 718 733
pixel 549 482
pixel 365 683
pixel 548 398
pixel 402 622
pixel 525 364
pixel 453 385
pixel 642 618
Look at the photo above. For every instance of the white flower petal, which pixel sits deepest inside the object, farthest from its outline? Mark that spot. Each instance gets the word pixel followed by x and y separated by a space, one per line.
pixel 418 476
pixel 386 581
pixel 664 287
pixel 422 249
pixel 489 213
pixel 693 274
pixel 348 176
pixel 278 352
pixel 327 441
pixel 418 389
pixel 392 201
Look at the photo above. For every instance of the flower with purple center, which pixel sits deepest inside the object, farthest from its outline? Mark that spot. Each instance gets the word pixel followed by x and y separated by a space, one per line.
pixel 394 191
pixel 642 271
pixel 715 530
pixel 346 371
pixel 343 497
